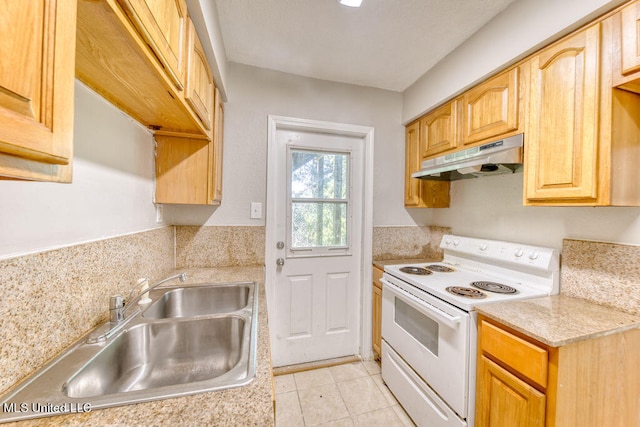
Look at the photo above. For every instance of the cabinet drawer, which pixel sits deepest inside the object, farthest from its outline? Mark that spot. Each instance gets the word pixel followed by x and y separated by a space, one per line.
pixel 522 356
pixel 377 275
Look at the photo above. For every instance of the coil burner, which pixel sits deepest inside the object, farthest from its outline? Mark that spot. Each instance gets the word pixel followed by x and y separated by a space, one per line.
pixel 498 288
pixel 415 270
pixel 440 268
pixel 466 292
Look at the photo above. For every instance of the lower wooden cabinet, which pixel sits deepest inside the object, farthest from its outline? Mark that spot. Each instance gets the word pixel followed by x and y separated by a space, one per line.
pixel 376 320
pixel 505 397
pixel 523 382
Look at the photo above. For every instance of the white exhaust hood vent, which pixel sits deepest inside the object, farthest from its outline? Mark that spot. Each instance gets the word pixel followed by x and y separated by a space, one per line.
pixel 494 158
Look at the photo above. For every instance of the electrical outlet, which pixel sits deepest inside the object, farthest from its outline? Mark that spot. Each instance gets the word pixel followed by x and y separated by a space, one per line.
pixel 159 214
pixel 256 210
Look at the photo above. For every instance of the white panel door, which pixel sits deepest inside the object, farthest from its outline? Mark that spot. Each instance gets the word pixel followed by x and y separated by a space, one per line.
pixel 315 209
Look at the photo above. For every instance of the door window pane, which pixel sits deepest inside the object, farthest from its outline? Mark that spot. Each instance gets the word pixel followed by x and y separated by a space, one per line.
pixel 316 224
pixel 319 203
pixel 317 175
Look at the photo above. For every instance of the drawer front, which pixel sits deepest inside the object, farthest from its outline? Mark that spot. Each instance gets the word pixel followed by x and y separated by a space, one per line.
pixel 522 356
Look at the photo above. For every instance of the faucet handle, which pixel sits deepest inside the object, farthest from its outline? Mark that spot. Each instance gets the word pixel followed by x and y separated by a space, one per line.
pixel 116 306
pixel 116 301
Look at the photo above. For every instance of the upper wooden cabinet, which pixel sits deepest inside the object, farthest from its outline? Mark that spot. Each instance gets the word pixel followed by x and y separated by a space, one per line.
pixel 582 144
pixel 438 130
pixel 491 109
pixel 199 91
pixel 189 170
pixel 36 89
pixel 163 24
pixel 419 193
pixel 216 152
pixel 115 58
pixel 562 139
pixel 626 38
pixel 630 36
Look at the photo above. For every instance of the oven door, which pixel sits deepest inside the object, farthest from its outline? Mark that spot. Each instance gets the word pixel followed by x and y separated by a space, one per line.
pixel 431 336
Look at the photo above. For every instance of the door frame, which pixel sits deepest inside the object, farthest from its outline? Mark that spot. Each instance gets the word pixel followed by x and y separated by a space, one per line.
pixel 367 134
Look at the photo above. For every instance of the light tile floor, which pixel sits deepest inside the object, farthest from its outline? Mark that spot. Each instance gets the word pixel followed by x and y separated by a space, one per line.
pixel 345 395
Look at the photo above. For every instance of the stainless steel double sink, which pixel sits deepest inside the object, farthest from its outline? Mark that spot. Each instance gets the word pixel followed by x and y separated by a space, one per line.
pixel 188 340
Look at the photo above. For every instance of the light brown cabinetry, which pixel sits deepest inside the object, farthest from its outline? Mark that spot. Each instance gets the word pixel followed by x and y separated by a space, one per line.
pixel 562 138
pixel 145 57
pixel 184 170
pixel 376 321
pixel 36 89
pixel 115 59
pixel 582 138
pixel 627 34
pixel 420 193
pixel 439 130
pixel 491 109
pixel 163 25
pixel 200 88
pixel 217 151
pixel 523 382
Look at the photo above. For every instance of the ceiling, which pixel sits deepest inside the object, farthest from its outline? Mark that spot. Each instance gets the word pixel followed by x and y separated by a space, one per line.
pixel 386 44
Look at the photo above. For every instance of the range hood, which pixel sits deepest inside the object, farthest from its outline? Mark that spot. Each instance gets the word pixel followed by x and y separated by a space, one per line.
pixel 494 158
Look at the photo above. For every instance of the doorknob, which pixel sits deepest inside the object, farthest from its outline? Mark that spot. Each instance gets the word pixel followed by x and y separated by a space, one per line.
pixel 280 262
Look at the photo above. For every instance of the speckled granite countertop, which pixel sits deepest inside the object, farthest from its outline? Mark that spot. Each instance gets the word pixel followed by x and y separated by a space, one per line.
pixel 251 405
pixel 559 320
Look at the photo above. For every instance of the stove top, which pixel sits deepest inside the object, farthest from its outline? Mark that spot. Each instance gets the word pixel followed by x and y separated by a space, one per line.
pixel 479 271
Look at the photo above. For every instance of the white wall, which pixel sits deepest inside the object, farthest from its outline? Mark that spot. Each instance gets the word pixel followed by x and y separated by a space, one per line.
pixel 520 29
pixel 491 207
pixel 111 193
pixel 254 94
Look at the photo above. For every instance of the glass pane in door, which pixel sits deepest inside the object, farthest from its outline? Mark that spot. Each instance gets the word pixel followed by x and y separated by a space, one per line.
pixel 319 199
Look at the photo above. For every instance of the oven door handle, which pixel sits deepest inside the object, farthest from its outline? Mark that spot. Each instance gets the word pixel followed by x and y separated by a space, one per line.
pixel 423 306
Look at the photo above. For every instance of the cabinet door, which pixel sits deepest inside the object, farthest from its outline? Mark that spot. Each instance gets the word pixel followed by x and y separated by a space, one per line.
pixel 199 90
pixel 182 170
pixel 163 24
pixel 412 164
pixel 37 55
pixel 504 400
pixel 420 193
pixel 490 109
pixel 562 138
pixel 438 130
pixel 630 28
pixel 215 188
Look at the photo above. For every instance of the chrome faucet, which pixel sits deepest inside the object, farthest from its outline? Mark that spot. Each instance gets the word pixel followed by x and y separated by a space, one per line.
pixel 118 307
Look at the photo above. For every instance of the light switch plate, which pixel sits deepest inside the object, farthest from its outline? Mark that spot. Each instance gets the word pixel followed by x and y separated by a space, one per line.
pixel 256 210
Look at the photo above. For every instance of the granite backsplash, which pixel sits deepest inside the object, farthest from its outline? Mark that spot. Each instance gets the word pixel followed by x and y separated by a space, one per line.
pixel 604 273
pixel 404 242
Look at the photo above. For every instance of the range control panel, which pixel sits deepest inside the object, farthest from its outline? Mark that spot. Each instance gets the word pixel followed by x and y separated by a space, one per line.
pixel 537 257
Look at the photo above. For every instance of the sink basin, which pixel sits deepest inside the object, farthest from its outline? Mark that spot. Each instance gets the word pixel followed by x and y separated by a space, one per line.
pixel 189 340
pixel 198 301
pixel 157 355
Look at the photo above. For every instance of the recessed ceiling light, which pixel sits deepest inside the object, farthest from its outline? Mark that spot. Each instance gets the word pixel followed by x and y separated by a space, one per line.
pixel 351 3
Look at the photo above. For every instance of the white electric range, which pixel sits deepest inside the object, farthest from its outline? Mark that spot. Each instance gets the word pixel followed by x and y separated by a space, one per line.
pixel 429 322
